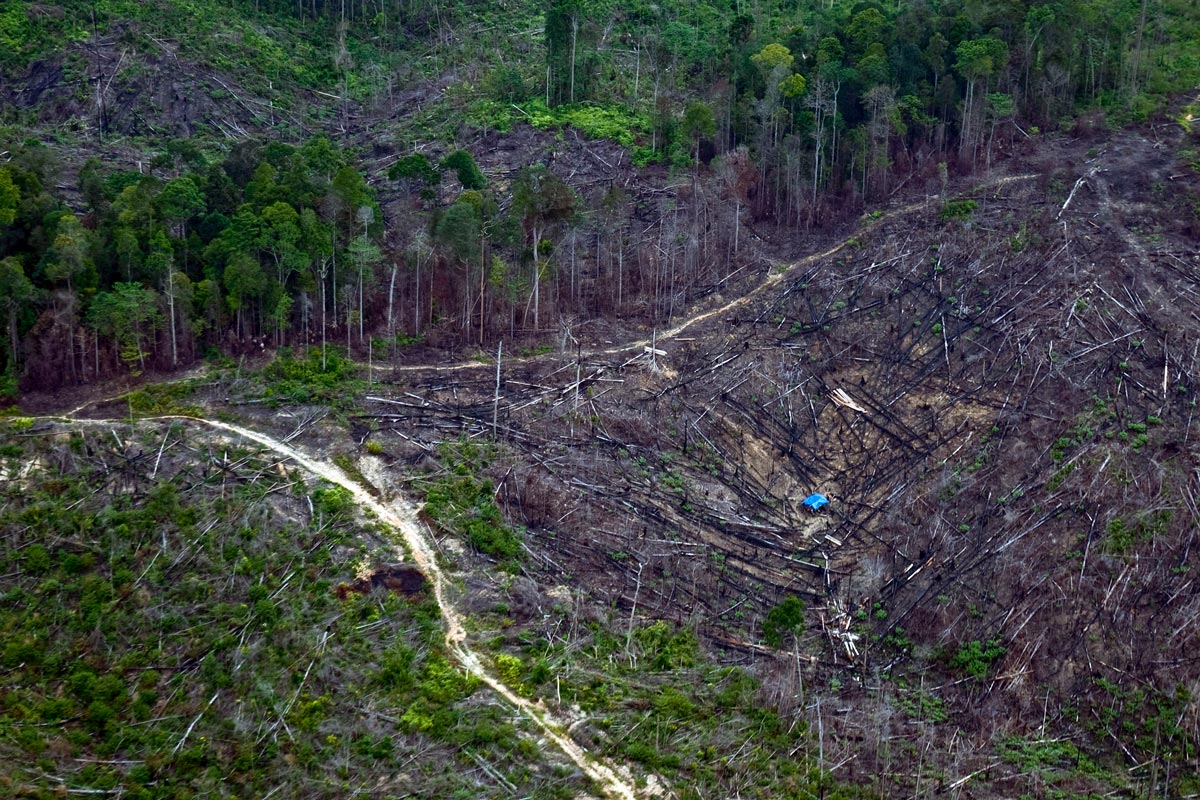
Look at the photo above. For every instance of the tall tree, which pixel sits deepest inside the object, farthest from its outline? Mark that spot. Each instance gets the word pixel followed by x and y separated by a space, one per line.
pixel 316 243
pixel 244 283
pixel 70 256
pixel 365 254
pixel 179 201
pixel 127 314
pixel 542 201
pixel 978 61
pixel 458 232
pixel 698 124
pixel 160 263
pixel 16 292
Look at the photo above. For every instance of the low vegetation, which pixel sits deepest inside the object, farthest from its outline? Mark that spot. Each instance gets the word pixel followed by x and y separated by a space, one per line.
pixel 171 629
pixel 461 502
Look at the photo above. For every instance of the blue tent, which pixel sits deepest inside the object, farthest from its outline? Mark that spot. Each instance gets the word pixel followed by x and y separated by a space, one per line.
pixel 816 501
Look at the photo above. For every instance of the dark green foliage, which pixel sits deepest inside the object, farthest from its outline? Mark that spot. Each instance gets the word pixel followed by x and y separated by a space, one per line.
pixel 958 209
pixel 1146 719
pixel 783 621
pixel 665 648
pixel 506 84
pixel 128 314
pixel 566 29
pixel 312 377
pixel 334 501
pixel 1121 537
pixel 415 167
pixel 458 231
pixel 919 704
pixel 462 502
pixel 1048 757
pixel 977 657
pixel 465 169
pixel 162 270
pixel 157 399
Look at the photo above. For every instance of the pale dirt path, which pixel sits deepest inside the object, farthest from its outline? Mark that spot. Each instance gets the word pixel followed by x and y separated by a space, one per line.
pixel 402 515
pixel 774 278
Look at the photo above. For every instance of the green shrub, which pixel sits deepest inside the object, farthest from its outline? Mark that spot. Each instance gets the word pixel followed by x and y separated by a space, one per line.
pixel 333 501
pixel 416 167
pixel 330 379
pixel 506 84
pixel 613 121
pixel 465 168
pixel 163 398
pixel 643 155
pixel 958 209
pixel 672 703
pixel 664 647
pixel 976 658
pixel 463 504
pixel 785 619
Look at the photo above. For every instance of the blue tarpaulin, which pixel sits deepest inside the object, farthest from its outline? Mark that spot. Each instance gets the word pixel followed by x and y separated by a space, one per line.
pixel 815 501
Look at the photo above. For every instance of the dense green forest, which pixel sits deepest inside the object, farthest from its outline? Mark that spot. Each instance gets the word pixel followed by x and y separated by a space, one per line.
pixel 293 227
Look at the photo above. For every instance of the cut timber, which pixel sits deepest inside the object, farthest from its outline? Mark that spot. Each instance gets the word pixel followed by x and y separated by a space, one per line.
pixel 844 400
pixel 1082 180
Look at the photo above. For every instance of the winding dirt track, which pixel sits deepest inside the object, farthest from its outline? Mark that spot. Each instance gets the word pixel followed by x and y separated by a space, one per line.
pixel 774 278
pixel 402 515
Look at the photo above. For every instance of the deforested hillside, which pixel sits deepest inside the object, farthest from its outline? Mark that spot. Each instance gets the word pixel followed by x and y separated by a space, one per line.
pixel 995 389
pixel 593 399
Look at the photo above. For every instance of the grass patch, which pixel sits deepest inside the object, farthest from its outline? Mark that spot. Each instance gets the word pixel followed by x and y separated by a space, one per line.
pixel 332 380
pixel 179 636
pixel 462 502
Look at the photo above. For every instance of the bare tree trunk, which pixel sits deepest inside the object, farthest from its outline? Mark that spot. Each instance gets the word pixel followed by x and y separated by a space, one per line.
pixel 171 313
pixel 537 278
pixel 575 38
pixel 417 299
pixel 391 320
pixel 1137 47
pixel 637 73
pixel 333 263
pixel 496 398
pixel 483 286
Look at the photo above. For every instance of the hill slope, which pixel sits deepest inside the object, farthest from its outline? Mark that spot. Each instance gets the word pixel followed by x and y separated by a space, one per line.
pixel 1000 399
pixel 991 372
